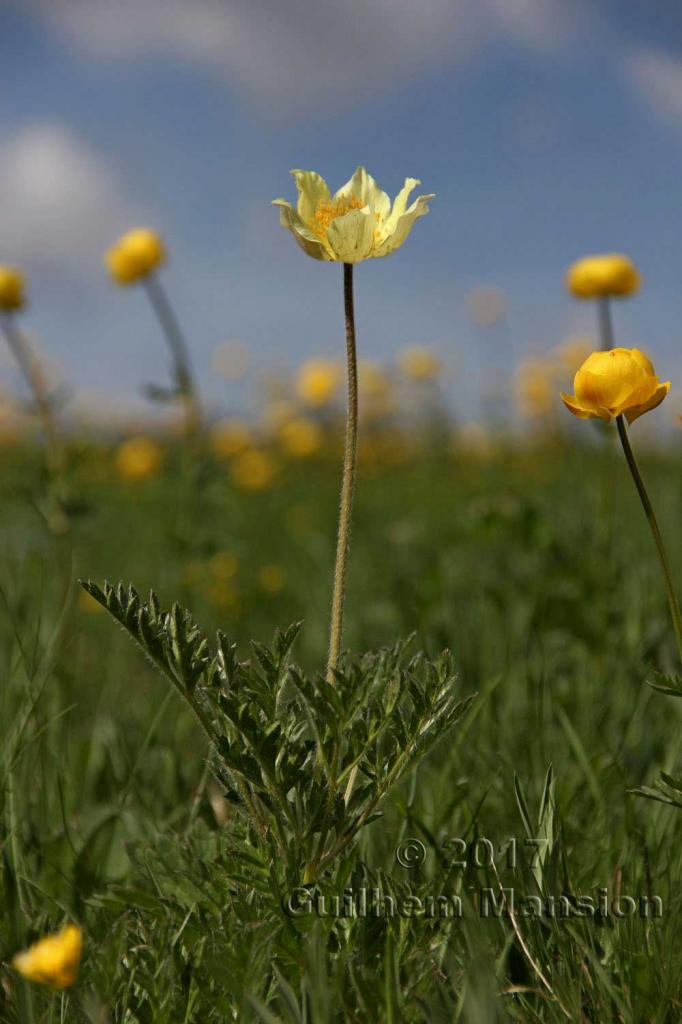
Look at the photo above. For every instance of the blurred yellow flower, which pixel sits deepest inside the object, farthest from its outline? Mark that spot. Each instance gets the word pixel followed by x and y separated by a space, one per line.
pixel 139 458
pixel 272 578
pixel 230 437
pixel 535 387
pixel 53 960
pixel 594 277
pixel 253 470
pixel 615 382
pixel 223 565
pixel 300 437
pixel 318 381
pixel 135 256
pixel 571 353
pixel 354 224
pixel 12 289
pixel 419 363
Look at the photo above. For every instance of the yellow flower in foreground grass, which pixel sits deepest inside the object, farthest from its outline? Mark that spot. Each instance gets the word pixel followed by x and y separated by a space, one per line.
pixel 139 458
pixel 419 363
pixel 535 387
pixel 356 223
pixel 597 277
pixel 300 437
pixel 253 470
pixel 12 289
pixel 230 437
pixel 617 382
pixel 135 256
pixel 318 381
pixel 272 578
pixel 54 960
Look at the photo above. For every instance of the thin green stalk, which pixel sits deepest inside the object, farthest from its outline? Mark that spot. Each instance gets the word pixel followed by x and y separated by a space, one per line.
pixel 658 540
pixel 605 323
pixel 182 369
pixel 348 482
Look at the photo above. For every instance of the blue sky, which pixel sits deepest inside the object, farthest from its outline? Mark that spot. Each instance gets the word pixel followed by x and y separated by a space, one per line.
pixel 547 130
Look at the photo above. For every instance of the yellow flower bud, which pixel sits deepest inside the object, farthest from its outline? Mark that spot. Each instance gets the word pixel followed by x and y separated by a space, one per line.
pixel 595 277
pixel 615 382
pixel 139 458
pixel 253 470
pixel 11 289
pixel 300 437
pixel 135 256
pixel 53 960
pixel 317 381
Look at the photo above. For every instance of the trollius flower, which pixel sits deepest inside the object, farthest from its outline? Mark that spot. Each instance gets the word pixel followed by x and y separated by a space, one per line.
pixel 53 960
pixel 598 277
pixel 135 256
pixel 12 295
pixel 356 223
pixel 617 382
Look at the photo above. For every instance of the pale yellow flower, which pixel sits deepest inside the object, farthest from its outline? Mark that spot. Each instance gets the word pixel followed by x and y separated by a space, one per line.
pixel 253 470
pixel 53 960
pixel 139 458
pixel 12 289
pixel 594 277
pixel 318 381
pixel 230 437
pixel 272 578
pixel 300 437
pixel 135 256
pixel 617 382
pixel 418 362
pixel 535 387
pixel 356 223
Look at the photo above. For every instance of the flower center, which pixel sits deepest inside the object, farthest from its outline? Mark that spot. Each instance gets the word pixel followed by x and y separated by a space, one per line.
pixel 326 212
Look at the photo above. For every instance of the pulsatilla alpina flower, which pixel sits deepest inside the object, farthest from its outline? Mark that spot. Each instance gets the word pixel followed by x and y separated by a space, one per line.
pixel 356 223
pixel 11 289
pixel 598 277
pixel 135 256
pixel 53 960
pixel 617 382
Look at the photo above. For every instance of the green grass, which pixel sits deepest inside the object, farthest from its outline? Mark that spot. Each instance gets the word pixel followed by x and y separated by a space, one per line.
pixel 536 569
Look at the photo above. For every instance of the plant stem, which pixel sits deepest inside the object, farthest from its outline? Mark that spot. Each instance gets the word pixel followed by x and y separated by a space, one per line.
pixel 182 370
pixel 348 482
pixel 658 540
pixel 605 323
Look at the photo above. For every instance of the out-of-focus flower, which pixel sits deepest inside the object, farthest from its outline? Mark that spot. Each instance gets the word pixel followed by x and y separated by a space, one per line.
pixel 300 437
pixel 271 578
pixel 230 360
pixel 417 362
pixel 487 306
pixel 318 381
pixel 53 960
pixel 223 565
pixel 135 255
pixel 535 387
pixel 571 353
pixel 230 437
pixel 139 458
pixel 356 223
pixel 377 394
pixel 253 470
pixel 594 277
pixel 475 440
pixel 615 382
pixel 278 411
pixel 12 289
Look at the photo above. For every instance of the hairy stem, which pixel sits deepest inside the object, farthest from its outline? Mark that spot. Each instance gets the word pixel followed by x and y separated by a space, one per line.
pixel 656 533
pixel 348 482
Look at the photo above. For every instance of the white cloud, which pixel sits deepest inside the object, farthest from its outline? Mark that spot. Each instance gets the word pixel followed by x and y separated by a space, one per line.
pixel 61 203
pixel 302 54
pixel 658 78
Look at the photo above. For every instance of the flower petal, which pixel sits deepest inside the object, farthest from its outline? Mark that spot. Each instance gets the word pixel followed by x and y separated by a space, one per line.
pixel 290 219
pixel 659 394
pixel 363 186
pixel 574 405
pixel 397 235
pixel 400 203
pixel 351 237
pixel 312 190
pixel 605 391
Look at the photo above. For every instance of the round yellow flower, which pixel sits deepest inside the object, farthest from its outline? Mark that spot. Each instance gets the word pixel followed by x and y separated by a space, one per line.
pixel 535 384
pixel 617 382
pixel 253 470
pixel 318 381
pixel 300 437
pixel 53 960
pixel 356 223
pixel 139 458
pixel 135 256
pixel 419 363
pixel 272 578
pixel 230 437
pixel 594 277
pixel 12 289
